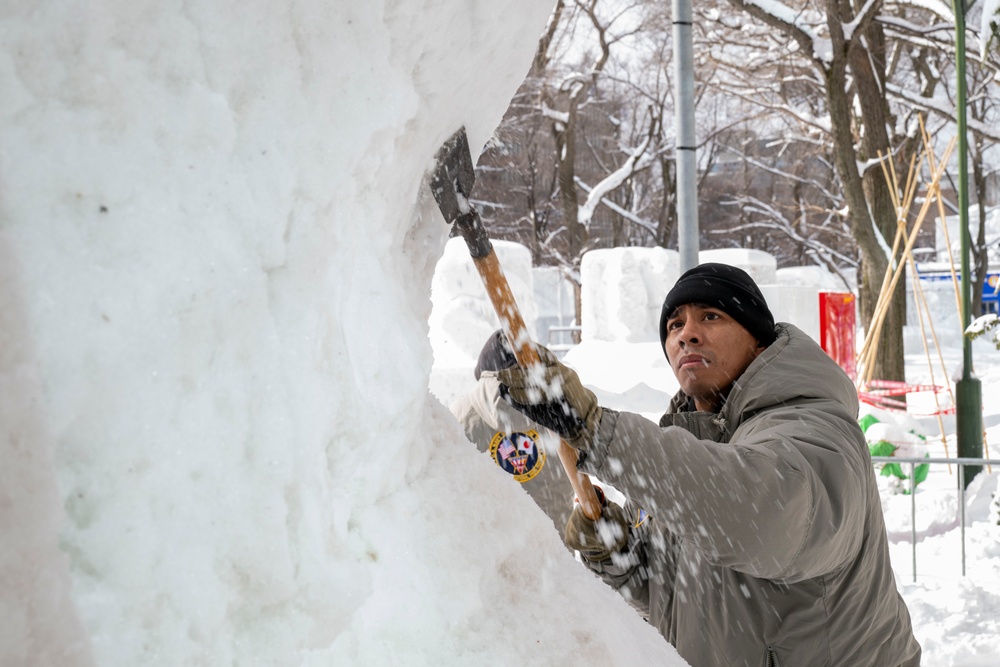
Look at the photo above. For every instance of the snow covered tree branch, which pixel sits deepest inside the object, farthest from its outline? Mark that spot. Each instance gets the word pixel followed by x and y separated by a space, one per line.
pixel 638 160
pixel 981 326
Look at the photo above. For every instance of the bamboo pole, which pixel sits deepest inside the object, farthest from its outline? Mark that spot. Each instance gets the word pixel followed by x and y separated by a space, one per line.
pixel 943 219
pixel 921 303
pixel 907 259
pixel 882 306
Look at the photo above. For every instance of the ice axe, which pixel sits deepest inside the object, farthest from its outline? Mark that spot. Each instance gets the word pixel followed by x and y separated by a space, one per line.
pixel 451 183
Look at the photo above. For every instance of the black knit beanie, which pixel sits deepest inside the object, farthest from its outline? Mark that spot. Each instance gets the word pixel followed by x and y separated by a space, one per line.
pixel 727 288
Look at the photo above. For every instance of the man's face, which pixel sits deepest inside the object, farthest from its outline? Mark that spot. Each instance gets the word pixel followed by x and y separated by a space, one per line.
pixel 708 350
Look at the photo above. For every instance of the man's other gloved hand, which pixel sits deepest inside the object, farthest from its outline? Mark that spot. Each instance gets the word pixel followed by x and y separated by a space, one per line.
pixel 551 395
pixel 597 540
pixel 496 354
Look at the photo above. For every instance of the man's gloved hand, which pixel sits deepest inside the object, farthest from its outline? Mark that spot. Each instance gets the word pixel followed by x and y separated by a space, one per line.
pixel 496 354
pixel 597 540
pixel 554 397
pixel 551 395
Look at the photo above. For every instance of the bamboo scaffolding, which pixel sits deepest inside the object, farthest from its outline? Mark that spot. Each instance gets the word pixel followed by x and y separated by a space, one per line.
pixel 896 267
pixel 894 271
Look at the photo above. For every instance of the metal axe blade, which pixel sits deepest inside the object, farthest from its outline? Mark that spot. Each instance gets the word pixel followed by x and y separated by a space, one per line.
pixel 453 177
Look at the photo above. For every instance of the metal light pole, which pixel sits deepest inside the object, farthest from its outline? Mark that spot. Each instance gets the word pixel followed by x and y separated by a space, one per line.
pixel 968 390
pixel 687 166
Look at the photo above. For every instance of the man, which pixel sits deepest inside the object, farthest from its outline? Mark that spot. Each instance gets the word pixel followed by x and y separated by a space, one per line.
pixel 521 448
pixel 766 544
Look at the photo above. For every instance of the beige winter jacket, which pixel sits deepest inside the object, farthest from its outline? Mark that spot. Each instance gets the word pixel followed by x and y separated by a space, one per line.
pixel 767 544
pixel 489 421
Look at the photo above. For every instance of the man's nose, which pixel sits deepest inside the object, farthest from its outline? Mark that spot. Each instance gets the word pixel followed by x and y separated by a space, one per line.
pixel 690 333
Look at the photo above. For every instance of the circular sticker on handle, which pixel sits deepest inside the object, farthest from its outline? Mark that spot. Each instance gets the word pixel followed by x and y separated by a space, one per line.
pixel 518 454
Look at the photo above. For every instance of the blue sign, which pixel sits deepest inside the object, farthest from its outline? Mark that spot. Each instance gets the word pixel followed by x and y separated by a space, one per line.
pixel 991 286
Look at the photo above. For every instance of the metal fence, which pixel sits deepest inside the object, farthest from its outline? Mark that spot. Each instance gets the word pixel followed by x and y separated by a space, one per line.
pixel 566 336
pixel 913 462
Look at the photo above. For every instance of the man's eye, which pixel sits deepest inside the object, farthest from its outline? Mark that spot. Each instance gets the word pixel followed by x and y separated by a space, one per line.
pixel 676 324
pixel 711 316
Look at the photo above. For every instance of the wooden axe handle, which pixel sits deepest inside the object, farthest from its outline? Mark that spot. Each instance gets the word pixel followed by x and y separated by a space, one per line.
pixel 513 326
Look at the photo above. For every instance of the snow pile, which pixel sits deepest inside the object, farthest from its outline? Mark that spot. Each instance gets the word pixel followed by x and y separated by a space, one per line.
pixel 798 304
pixel 623 291
pixel 216 440
pixel 895 434
pixel 994 515
pixel 625 376
pixel 986 325
pixel 463 316
pixel 795 297
pixel 620 357
pixel 217 443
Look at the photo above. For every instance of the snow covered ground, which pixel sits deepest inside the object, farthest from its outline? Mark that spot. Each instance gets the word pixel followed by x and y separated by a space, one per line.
pixel 956 619
pixel 217 442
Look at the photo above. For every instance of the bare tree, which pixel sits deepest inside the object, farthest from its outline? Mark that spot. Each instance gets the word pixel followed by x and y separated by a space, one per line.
pixel 927 35
pixel 877 64
pixel 574 160
pixel 837 48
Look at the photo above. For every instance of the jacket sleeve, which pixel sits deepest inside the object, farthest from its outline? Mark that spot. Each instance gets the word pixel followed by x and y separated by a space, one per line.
pixel 627 571
pixel 483 413
pixel 495 411
pixel 783 500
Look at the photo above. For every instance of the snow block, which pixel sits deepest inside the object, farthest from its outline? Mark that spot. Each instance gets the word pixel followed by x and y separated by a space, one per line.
pixel 815 276
pixel 462 316
pixel 796 304
pixel 762 266
pixel 554 302
pixel 623 290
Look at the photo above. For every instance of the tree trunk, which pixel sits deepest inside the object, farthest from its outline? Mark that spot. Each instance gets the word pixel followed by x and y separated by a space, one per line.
pixel 668 213
pixel 873 259
pixel 868 197
pixel 577 236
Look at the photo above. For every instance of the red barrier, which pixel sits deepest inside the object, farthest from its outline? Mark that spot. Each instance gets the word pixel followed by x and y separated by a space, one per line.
pixel 837 327
pixel 880 393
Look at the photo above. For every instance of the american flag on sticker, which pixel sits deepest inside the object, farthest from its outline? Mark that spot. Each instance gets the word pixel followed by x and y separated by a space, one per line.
pixel 506 449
